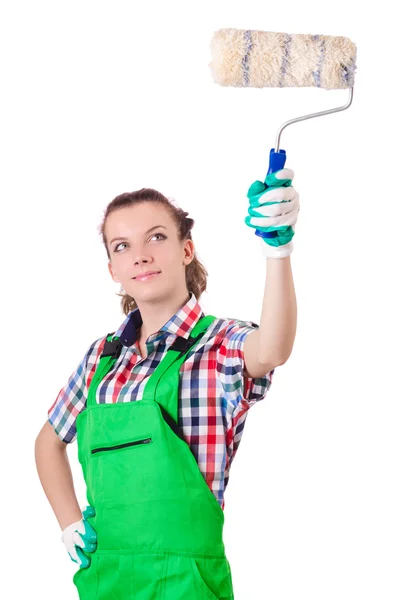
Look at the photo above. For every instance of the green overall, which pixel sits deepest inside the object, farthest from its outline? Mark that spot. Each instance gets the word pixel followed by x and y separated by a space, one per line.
pixel 158 524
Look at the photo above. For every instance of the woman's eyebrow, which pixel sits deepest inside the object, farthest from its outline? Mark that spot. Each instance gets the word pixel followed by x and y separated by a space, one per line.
pixel 148 231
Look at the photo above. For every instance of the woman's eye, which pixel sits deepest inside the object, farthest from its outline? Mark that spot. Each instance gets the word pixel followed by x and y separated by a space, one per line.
pixel 163 236
pixel 154 235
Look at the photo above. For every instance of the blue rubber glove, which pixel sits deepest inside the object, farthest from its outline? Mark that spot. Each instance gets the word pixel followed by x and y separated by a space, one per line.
pixel 274 207
pixel 79 536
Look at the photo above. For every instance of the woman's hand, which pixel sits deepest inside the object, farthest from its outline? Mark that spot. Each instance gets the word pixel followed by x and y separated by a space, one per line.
pixel 79 536
pixel 274 207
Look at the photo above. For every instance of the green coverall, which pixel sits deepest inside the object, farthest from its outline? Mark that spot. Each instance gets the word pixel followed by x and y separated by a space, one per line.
pixel 159 526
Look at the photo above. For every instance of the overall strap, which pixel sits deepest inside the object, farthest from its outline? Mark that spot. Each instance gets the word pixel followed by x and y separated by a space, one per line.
pixel 176 354
pixel 110 353
pixel 163 384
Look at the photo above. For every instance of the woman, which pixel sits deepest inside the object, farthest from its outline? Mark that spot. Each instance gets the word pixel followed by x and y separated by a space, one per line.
pixel 158 407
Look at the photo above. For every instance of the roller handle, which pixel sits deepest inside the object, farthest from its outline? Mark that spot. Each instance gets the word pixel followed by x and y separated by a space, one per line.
pixel 276 162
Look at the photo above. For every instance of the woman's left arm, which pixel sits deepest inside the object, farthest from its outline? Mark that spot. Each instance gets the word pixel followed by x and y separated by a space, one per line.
pixel 273 210
pixel 279 311
pixel 271 344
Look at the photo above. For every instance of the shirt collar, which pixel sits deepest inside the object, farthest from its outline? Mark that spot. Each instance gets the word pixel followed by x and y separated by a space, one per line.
pixel 180 324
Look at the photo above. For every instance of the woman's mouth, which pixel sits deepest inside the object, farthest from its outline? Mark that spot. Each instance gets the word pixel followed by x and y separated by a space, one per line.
pixel 146 277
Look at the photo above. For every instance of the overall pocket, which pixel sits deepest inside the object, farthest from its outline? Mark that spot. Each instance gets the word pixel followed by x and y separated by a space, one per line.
pixel 116 468
pixel 202 584
pixel 183 580
pixel 145 440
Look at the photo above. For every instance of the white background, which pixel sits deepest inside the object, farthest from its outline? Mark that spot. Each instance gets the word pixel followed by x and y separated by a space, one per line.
pixel 107 97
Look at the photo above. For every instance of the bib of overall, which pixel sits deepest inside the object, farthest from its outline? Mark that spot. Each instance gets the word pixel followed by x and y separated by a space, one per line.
pixel 159 526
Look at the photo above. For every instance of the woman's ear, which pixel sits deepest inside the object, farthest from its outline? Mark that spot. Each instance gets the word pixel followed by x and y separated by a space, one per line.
pixel 189 251
pixel 111 273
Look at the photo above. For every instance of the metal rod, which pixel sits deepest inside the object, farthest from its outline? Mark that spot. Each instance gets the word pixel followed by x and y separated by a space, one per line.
pixel 319 114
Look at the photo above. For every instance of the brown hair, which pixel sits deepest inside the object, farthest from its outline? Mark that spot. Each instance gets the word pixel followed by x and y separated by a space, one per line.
pixel 196 274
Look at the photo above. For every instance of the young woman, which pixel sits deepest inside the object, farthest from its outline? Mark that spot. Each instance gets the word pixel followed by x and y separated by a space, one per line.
pixel 158 407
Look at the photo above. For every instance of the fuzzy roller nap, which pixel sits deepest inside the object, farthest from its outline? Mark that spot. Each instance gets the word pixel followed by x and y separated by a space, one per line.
pixel 242 58
pixel 247 58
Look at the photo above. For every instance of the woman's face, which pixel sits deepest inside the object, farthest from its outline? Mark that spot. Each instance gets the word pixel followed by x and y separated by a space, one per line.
pixel 134 249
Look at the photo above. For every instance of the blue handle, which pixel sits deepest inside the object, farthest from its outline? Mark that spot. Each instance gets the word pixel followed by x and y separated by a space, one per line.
pixel 276 162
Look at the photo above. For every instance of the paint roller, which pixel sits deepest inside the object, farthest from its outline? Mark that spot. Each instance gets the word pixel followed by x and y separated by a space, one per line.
pixel 248 58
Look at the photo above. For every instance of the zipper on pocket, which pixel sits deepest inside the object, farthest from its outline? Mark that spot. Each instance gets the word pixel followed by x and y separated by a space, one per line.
pixel 136 443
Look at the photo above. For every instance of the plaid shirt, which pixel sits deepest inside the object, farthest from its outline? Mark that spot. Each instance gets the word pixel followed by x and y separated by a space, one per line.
pixel 214 394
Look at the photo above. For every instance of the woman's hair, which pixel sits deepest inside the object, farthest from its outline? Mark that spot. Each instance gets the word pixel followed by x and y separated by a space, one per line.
pixel 196 274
